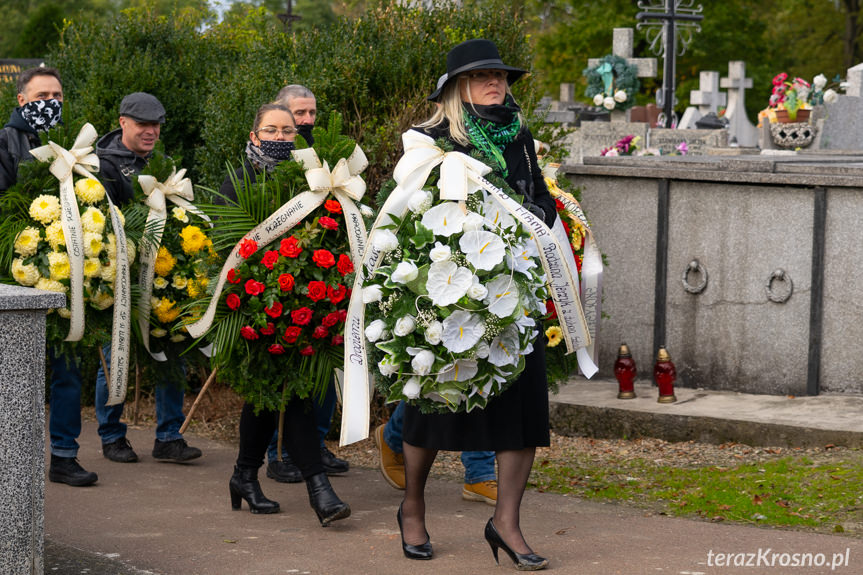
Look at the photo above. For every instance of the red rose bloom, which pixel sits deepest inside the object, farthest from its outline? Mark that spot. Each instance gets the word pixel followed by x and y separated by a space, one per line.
pixel 286 282
pixel 338 340
pixel 308 350
pixel 317 290
pixel 345 265
pixel 233 301
pixel 578 262
pixel 337 295
pixel 269 330
pixel 276 349
pixel 289 247
pixel 254 287
pixel 291 334
pixel 343 315
pixel 301 316
pixel 549 307
pixel 330 319
pixel 566 228
pixel 247 248
pixel 234 277
pixel 558 204
pixel 248 333
pixel 323 258
pixel 275 310
pixel 270 258
pixel 328 223
pixel 320 332
pixel 333 206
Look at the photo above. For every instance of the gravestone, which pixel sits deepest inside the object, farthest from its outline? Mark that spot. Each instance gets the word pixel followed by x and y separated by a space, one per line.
pixel 10 68
pixel 842 125
pixel 707 98
pixel 622 47
pixel 698 142
pixel 740 129
pixel 592 137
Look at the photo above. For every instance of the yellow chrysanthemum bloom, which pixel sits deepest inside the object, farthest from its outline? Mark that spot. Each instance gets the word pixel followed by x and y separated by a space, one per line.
pixel 111 245
pixel 160 283
pixel 109 270
pixel 50 285
pixel 54 235
pixel 25 274
pixel 64 312
pixel 554 335
pixel 45 209
pixel 93 220
pixel 121 216
pixel 131 251
pixel 92 244
pixel 178 337
pixel 165 262
pixel 102 300
pixel 179 282
pixel 167 310
pixel 58 263
pixel 197 288
pixel 27 242
pixel 158 332
pixel 92 268
pixel 89 190
pixel 194 239
pixel 180 214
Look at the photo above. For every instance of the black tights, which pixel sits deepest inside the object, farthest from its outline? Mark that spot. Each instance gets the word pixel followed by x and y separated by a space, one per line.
pixel 300 436
pixel 513 472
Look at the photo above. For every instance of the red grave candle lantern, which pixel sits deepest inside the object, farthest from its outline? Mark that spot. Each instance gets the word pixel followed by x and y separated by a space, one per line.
pixel 664 374
pixel 624 371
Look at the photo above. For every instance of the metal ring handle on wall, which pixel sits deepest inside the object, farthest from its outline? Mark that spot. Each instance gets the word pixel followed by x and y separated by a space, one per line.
pixel 781 276
pixel 695 266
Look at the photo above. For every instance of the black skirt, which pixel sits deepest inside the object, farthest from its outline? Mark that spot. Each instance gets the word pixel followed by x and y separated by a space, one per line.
pixel 515 420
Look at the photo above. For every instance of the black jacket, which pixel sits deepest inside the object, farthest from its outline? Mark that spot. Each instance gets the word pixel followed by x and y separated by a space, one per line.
pixel 17 138
pixel 227 188
pixel 117 165
pixel 525 176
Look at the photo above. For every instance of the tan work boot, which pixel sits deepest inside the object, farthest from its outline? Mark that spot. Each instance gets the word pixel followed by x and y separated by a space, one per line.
pixel 484 491
pixel 392 464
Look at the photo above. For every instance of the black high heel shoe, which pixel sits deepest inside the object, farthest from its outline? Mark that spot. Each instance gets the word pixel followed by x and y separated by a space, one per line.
pixel 421 552
pixel 523 561
pixel 244 485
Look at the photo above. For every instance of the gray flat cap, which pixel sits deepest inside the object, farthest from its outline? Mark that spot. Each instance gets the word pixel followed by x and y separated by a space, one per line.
pixel 143 107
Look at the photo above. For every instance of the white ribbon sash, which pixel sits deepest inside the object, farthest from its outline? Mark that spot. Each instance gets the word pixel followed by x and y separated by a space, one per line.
pixel 80 160
pixel 460 176
pixel 343 183
pixel 179 191
pixel 121 328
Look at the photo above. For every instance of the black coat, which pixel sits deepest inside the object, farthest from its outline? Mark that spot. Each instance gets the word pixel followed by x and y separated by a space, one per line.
pixel 117 165
pixel 227 188
pixel 17 138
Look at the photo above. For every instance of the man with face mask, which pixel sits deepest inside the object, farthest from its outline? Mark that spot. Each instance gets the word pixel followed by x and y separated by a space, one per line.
pixel 40 103
pixel 302 104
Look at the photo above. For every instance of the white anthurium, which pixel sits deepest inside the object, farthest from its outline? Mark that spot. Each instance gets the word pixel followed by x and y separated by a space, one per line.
pixel 462 330
pixel 440 252
pixel 460 370
pixel 504 348
pixel 496 215
pixel 608 103
pixel 502 296
pixel 447 282
pixel 597 100
pixel 620 96
pixel 525 322
pixel 477 291
pixel 375 330
pixel 482 350
pixel 404 326
pixel 483 250
pixel 412 388
pixel 385 241
pixel 444 219
pixel 387 367
pixel 483 390
pixel 434 332
pixel 473 221
pixel 405 272
pixel 420 201
pixel 522 257
pixel 372 294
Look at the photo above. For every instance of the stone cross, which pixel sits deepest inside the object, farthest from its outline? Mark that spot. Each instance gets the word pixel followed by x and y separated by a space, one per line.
pixel 739 126
pixel 622 47
pixel 708 98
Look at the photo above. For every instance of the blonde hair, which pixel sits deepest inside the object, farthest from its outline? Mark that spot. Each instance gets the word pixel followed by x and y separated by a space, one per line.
pixel 449 109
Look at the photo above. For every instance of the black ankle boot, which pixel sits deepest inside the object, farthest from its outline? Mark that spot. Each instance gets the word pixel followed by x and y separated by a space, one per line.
pixel 244 485
pixel 324 500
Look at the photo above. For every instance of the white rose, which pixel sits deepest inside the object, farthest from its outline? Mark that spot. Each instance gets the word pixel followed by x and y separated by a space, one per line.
pixel 597 100
pixel 372 293
pixel 620 96
pixel 420 202
pixel 440 253
pixel 375 330
pixel 387 368
pixel 482 349
pixel 404 326
pixel 366 211
pixel 819 81
pixel 473 222
pixel 608 103
pixel 476 290
pixel 405 272
pixel 422 362
pixel 433 332
pixel 412 388
pixel 385 241
pixel 831 96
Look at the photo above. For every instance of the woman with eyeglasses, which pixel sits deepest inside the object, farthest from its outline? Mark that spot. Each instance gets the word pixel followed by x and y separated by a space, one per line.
pixel 271 142
pixel 477 112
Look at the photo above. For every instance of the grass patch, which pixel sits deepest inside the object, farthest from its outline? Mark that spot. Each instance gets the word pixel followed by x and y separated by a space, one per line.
pixel 792 492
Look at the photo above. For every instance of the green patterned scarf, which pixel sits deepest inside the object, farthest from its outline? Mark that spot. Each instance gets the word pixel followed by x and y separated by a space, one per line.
pixel 492 138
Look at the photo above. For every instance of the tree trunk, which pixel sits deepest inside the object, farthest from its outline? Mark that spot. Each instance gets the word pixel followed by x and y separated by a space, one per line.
pixel 852 31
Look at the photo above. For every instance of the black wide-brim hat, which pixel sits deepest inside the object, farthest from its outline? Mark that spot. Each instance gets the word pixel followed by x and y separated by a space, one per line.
pixel 476 54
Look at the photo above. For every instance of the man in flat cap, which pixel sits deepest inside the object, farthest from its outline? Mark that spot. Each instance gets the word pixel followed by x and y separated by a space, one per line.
pixel 122 154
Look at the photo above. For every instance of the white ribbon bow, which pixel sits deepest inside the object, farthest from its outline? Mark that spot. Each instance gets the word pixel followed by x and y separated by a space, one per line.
pixel 80 158
pixel 344 177
pixel 176 188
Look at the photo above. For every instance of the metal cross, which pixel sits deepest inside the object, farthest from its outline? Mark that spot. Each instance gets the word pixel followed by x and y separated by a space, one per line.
pixel 666 19
pixel 289 17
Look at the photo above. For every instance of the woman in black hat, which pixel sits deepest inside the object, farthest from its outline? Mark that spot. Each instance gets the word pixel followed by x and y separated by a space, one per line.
pixel 476 111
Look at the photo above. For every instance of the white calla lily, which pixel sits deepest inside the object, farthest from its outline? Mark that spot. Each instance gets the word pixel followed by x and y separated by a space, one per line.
pixel 462 330
pixel 444 219
pixel 502 296
pixel 460 370
pixel 504 349
pixel 447 282
pixel 483 250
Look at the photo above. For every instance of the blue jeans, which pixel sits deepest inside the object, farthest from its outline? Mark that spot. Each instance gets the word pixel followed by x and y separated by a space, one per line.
pixel 169 408
pixel 478 465
pixel 64 421
pixel 323 419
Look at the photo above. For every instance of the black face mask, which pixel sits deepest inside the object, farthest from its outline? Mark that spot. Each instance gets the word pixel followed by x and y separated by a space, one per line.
pixel 305 130
pixel 277 149
pixel 42 115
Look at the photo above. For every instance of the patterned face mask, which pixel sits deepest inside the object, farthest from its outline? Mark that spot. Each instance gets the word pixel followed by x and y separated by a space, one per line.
pixel 277 149
pixel 305 130
pixel 42 115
